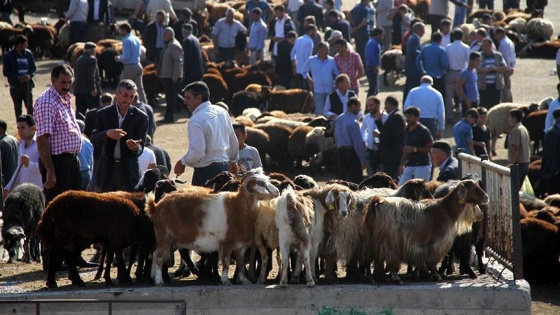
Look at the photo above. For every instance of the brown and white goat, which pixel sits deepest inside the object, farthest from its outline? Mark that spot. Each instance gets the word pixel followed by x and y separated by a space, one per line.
pixel 294 217
pixel 206 222
pixel 416 232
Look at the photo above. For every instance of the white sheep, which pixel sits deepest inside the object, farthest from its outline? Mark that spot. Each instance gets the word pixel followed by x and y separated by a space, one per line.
pixel 498 122
pixel 252 112
pixel 540 30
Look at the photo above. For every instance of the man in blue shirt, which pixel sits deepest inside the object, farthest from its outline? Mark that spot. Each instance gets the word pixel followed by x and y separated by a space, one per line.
pixel 433 61
pixel 302 50
pixel 266 10
pixel 373 60
pixel 130 58
pixel 467 87
pixel 257 36
pixel 411 70
pixel 323 70
pixel 430 102
pixel 462 132
pixel 360 31
pixel 348 139
pixel 19 68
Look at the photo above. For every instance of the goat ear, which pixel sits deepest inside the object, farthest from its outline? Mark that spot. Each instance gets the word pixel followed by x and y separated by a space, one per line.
pixel 462 193
pixel 330 200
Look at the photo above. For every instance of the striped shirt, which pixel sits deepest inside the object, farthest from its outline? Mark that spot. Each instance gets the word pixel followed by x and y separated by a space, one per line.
pixel 350 66
pixel 489 61
pixel 54 116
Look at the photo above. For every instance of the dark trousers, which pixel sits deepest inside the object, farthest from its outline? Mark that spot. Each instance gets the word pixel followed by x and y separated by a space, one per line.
pixel 67 172
pixel 486 4
pixel 372 161
pixel 411 82
pixel 439 84
pixel 77 32
pixel 20 96
pixel 85 102
pixel 490 96
pixel 373 81
pixel 285 81
pixel 349 167
pixel 119 175
pixel 435 21
pixel 523 169
pixel 188 80
pixel 225 54
pixel 203 174
pixel 464 107
pixel 361 39
pixel 170 89
pixel 431 124
pixel 511 4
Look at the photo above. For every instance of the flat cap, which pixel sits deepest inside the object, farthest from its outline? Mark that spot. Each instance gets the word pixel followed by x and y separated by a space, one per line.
pixel 89 45
pixel 187 26
pixel 442 145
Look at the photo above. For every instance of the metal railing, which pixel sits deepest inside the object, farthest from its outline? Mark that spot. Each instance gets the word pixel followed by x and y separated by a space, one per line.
pixel 504 229
pixel 181 304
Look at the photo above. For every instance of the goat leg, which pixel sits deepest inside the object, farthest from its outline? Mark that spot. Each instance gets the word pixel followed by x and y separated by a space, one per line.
pixel 265 258
pixel 240 266
pixel 285 250
pixel 225 257
pixel 330 268
pixel 122 275
pixel 304 252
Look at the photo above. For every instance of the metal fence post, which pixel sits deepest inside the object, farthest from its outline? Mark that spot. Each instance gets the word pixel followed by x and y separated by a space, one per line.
pixel 516 225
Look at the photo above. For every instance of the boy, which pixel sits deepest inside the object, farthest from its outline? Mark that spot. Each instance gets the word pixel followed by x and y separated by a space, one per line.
pixel 248 156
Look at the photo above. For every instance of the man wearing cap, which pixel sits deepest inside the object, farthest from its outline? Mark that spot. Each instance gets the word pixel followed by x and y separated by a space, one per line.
pixel 120 134
pixel 170 71
pixel 192 59
pixel 224 33
pixel 19 68
pixel 186 17
pixel 87 87
pixel 333 38
pixel 550 170
pixel 257 36
pixel 442 158
pixel 430 103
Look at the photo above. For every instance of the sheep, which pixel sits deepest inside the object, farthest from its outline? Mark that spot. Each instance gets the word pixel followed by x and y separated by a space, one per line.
pixel 392 60
pixel 518 25
pixel 296 145
pixel 534 175
pixel 213 223
pixel 378 180
pixel 217 85
pixel 260 140
pixel 109 69
pixel 316 141
pixel 253 113
pixel 75 219
pixel 8 36
pixel 539 30
pixel 266 236
pixel 296 220
pixel 22 211
pixel 497 122
pixel 305 182
pixel 42 40
pixel 553 200
pixel 534 122
pixel 279 136
pixel 244 100
pixel 416 232
pixel 292 124
pixel 541 249
pixel 544 50
pixel 244 120
pixel 532 204
pixel 289 101
pixel 464 233
pixel 241 80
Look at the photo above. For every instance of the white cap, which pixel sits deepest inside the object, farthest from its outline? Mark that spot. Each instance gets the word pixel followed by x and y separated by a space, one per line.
pixel 335 35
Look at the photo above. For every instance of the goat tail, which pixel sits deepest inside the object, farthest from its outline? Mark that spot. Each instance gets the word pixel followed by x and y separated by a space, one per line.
pixel 151 204
pixel 369 226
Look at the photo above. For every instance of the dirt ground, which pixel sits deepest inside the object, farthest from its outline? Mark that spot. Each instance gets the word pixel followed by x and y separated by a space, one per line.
pixel 531 83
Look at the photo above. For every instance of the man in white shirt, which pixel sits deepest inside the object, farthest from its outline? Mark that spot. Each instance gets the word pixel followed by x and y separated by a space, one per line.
pixel 146 161
pixel 224 33
pixel 337 100
pixel 213 145
pixel 27 170
pixel 77 15
pixel 458 55
pixel 507 48
pixel 303 48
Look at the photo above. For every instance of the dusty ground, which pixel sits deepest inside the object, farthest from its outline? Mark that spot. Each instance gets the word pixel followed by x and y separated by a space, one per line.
pixel 531 83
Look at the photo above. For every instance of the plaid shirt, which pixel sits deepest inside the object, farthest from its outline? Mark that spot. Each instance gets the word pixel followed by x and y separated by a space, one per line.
pixel 54 116
pixel 351 66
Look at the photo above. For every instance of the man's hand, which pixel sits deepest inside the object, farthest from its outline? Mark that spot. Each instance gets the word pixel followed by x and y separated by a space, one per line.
pixel 94 93
pixel 179 168
pixel 133 145
pixel 25 160
pixel 375 69
pixel 439 134
pixel 408 149
pixel 51 180
pixel 116 134
pixel 234 168
pixel 25 78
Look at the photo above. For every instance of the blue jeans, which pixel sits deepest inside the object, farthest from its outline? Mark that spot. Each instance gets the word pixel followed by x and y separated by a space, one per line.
pixel 320 99
pixel 373 81
pixel 410 172
pixel 460 16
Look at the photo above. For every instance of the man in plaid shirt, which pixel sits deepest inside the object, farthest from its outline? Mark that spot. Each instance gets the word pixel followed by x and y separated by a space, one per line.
pixel 350 63
pixel 58 135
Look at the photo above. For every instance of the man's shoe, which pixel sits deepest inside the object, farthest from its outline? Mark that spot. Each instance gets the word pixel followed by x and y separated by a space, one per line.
pixel 81 263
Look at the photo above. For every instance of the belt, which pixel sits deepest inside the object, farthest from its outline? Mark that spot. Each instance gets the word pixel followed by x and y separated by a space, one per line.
pixel 68 154
pixel 117 160
pixel 347 147
pixel 218 163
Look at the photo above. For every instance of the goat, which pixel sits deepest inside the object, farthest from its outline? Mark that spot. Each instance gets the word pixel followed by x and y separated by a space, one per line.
pixel 416 232
pixel 378 180
pixel 294 217
pixel 215 222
